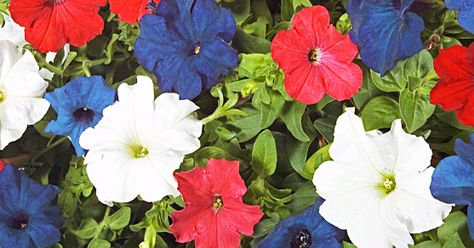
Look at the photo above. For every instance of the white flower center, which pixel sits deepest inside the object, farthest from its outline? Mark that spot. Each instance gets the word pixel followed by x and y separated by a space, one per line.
pixel 138 151
pixel 388 184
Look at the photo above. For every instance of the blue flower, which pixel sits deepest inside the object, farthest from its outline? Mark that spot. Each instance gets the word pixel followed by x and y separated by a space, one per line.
pixel 466 12
pixel 453 179
pixel 307 229
pixel 79 105
pixel 185 44
pixel 386 31
pixel 29 216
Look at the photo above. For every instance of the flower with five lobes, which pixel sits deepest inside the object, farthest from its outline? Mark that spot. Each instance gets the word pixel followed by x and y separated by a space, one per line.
pixel 214 215
pixel 21 91
pixel 316 58
pixel 455 89
pixel 378 186
pixel 139 142
pixel 50 24
pixel 453 179
pixel 79 105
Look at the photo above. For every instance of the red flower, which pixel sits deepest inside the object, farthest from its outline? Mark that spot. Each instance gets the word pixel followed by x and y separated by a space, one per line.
pixel 316 58
pixel 50 24
pixel 455 89
pixel 130 10
pixel 2 165
pixel 214 215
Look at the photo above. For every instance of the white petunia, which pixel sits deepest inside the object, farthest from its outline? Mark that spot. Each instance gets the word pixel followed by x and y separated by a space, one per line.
pixel 21 91
pixel 377 186
pixel 12 32
pixel 138 144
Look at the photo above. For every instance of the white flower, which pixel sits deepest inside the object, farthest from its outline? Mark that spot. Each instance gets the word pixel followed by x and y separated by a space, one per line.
pixel 139 142
pixel 21 91
pixel 12 32
pixel 377 187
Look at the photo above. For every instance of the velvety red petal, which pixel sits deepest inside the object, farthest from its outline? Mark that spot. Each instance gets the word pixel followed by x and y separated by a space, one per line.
pixel 341 81
pixel 451 95
pixel 451 64
pixel 225 178
pixel 305 84
pixel 466 114
pixel 2 165
pixel 470 55
pixel 193 222
pixel 311 24
pixel 288 50
pixel 338 47
pixel 195 187
pixel 49 26
pixel 241 217
pixel 130 11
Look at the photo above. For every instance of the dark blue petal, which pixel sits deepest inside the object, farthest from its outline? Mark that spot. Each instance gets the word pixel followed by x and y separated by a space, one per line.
pixel 453 181
pixel 44 234
pixel 466 12
pixel 470 220
pixel 310 219
pixel 91 93
pixel 185 44
pixel 466 150
pixel 386 31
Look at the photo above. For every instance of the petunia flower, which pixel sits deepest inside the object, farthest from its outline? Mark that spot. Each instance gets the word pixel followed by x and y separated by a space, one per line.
pixel 139 142
pixel 308 229
pixel 79 105
pixel 50 24
pixel 21 91
pixel 378 185
pixel 130 11
pixel 214 215
pixel 12 31
pixel 386 31
pixel 185 44
pixel 453 179
pixel 466 12
pixel 29 216
pixel 455 89
pixel 316 58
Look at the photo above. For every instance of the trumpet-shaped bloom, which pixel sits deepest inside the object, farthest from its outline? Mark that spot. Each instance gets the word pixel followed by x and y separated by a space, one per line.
pixel 453 179
pixel 305 230
pixel 185 44
pixel 214 215
pixel 21 91
pixel 79 105
pixel 455 89
pixel 50 24
pixel 316 58
pixel 29 216
pixel 131 11
pixel 139 142
pixel 386 31
pixel 466 12
pixel 378 185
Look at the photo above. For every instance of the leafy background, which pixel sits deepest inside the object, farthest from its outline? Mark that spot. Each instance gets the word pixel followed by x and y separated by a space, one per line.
pixel 248 117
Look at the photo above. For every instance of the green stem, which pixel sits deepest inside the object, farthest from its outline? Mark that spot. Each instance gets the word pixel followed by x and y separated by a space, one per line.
pixel 102 223
pixel 49 148
pixel 216 115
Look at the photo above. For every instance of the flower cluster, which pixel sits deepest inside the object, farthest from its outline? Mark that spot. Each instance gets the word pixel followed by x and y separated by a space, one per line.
pixel 226 124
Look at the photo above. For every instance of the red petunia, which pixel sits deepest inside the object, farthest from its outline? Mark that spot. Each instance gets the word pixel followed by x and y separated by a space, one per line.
pixel 130 11
pixel 50 24
pixel 455 89
pixel 316 58
pixel 214 215
pixel 2 165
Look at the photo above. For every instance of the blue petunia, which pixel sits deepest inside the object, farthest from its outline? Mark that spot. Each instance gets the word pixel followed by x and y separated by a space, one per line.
pixel 386 31
pixel 305 230
pixel 29 216
pixel 79 105
pixel 185 44
pixel 453 179
pixel 466 12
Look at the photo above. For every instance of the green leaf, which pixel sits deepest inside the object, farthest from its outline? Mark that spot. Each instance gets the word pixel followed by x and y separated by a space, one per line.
pixel 264 154
pixel 347 245
pixel 313 162
pixel 99 243
pixel 119 219
pixel 427 244
pixel 291 115
pixel 380 112
pixel 88 229
pixel 415 108
pixel 454 242
pixel 456 222
pixel 247 43
pixel 304 197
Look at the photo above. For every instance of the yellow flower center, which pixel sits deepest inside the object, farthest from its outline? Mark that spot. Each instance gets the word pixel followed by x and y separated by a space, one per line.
pixel 138 151
pixel 3 95
pixel 197 50
pixel 314 56
pixel 388 185
pixel 218 203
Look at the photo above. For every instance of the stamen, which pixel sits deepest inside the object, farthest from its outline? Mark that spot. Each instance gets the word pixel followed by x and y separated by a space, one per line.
pixel 218 203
